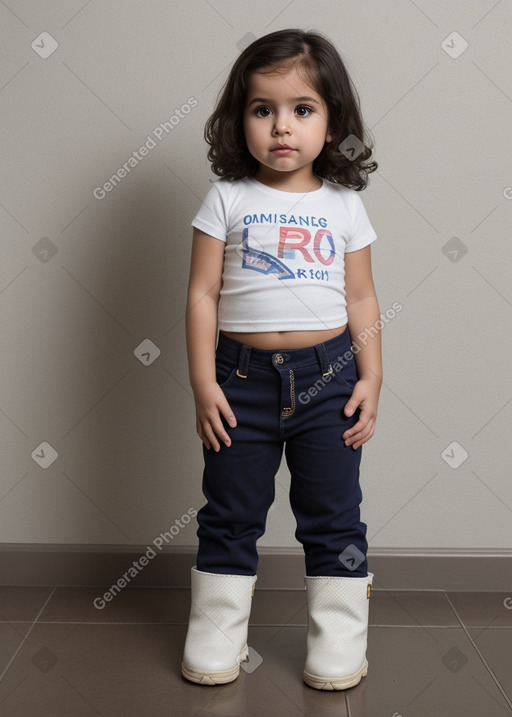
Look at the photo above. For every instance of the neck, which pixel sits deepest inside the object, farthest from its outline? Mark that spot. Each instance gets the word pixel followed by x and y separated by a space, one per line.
pixel 289 181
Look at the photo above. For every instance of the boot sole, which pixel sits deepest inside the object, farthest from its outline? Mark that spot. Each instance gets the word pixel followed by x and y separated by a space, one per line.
pixel 335 683
pixel 209 677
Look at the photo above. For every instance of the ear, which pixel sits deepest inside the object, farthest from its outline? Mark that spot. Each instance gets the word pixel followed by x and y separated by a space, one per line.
pixel 328 137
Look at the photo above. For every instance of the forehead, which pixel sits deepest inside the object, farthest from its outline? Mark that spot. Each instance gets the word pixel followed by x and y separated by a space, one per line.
pixel 284 86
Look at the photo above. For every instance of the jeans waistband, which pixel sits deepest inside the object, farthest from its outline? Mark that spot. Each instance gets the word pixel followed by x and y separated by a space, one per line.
pixel 322 354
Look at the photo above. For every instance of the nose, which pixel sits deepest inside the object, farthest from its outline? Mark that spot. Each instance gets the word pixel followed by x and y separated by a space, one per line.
pixel 281 125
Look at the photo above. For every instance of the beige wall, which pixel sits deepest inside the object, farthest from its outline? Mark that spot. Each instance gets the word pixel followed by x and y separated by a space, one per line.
pixel 84 280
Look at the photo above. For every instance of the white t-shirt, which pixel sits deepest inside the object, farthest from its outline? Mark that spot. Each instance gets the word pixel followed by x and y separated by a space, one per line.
pixel 284 260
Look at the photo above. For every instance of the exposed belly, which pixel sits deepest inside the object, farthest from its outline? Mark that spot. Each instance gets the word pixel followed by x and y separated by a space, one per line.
pixel 284 339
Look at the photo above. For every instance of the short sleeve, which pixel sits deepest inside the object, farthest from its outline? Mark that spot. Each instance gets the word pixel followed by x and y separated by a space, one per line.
pixel 211 217
pixel 362 232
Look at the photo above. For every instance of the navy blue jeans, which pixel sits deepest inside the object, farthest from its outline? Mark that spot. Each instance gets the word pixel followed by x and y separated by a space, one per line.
pixel 291 399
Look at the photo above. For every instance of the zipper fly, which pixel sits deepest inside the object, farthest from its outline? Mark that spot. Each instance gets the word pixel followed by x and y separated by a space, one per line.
pixel 288 411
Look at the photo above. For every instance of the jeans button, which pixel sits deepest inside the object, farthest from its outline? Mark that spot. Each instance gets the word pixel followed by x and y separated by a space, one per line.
pixel 279 358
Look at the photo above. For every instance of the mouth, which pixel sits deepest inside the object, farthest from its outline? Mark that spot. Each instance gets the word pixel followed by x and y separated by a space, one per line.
pixel 281 149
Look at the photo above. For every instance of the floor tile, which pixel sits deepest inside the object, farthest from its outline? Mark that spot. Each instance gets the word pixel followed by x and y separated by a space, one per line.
pixel 283 653
pixel 496 648
pixel 409 607
pixel 483 609
pixel 416 672
pixel 22 603
pixel 125 660
pixel 77 604
pixel 92 669
pixel 11 637
pixel 86 670
pixel 279 607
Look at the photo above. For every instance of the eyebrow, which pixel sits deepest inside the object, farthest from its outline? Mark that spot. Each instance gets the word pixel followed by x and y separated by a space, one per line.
pixel 295 99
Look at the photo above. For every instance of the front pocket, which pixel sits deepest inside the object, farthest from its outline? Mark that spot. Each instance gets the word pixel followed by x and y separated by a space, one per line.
pixel 345 376
pixel 225 370
pixel 226 380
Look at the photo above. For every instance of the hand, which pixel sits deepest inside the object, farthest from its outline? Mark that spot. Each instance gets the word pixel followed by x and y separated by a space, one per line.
pixel 211 403
pixel 365 396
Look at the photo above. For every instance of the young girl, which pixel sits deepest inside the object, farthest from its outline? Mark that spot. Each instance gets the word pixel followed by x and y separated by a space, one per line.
pixel 281 267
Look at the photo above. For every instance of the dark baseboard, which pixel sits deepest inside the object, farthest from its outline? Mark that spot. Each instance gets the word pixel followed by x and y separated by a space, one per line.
pixel 104 565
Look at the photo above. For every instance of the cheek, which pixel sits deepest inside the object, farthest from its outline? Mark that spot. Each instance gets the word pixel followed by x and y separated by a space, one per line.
pixel 254 135
pixel 249 131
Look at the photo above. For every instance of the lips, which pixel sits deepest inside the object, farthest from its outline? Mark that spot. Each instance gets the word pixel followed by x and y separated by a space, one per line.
pixel 282 150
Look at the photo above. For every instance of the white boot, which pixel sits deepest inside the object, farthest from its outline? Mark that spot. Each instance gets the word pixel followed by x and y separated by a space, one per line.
pixel 337 632
pixel 216 640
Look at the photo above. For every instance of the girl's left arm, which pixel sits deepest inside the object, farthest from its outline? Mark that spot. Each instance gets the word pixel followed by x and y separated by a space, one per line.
pixel 363 323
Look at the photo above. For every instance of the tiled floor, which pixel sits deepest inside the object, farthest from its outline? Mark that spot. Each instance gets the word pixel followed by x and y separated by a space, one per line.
pixel 430 654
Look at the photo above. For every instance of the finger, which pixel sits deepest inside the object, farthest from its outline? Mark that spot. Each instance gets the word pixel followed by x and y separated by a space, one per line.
pixel 351 405
pixel 358 426
pixel 219 432
pixel 359 430
pixel 209 437
pixel 359 443
pixel 361 437
pixel 228 414
pixel 201 434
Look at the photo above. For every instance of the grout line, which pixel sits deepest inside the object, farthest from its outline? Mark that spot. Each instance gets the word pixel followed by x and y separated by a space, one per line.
pixel 378 590
pixel 482 658
pixel 404 609
pixel 251 624
pixel 416 627
pixel 89 586
pixel 347 704
pixel 287 695
pixel 91 622
pixel 13 690
pixel 7 668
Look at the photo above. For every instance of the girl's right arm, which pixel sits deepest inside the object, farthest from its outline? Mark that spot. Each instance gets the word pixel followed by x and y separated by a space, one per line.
pixel 201 328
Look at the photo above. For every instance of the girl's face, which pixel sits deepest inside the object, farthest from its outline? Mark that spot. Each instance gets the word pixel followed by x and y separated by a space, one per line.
pixel 281 109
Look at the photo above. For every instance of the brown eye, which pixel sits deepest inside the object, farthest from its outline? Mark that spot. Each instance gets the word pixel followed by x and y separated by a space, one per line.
pixel 262 112
pixel 303 111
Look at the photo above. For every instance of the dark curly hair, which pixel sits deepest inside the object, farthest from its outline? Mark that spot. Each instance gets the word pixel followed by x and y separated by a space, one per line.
pixel 322 66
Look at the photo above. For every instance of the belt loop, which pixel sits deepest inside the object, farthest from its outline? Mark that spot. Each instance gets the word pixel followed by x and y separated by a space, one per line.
pixel 323 359
pixel 243 361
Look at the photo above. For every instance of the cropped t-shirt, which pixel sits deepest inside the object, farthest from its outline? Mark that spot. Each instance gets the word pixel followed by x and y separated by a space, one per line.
pixel 284 259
